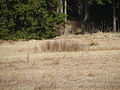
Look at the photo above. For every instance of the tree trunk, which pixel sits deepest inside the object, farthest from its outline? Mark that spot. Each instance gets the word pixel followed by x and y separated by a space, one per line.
pixel 86 11
pixel 114 16
pixel 65 12
pixel 65 9
pixel 61 2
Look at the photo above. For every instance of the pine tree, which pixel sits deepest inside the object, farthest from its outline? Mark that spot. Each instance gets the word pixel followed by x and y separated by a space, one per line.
pixel 29 19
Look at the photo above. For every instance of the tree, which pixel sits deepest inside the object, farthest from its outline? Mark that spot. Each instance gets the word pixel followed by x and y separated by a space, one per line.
pixel 103 2
pixel 29 18
pixel 114 16
pixel 86 10
pixel 86 4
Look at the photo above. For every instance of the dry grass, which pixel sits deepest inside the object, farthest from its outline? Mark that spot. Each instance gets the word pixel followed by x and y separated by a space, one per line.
pixel 71 43
pixel 99 41
pixel 83 62
pixel 61 45
pixel 93 42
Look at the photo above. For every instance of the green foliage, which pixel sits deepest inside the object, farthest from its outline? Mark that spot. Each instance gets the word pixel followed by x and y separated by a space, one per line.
pixel 100 2
pixel 29 19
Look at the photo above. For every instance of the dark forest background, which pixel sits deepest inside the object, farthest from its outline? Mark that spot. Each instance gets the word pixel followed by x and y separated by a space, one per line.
pixel 38 19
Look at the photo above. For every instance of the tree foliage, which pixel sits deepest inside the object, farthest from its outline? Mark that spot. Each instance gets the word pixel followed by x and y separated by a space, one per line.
pixel 31 19
pixel 100 2
pixel 37 19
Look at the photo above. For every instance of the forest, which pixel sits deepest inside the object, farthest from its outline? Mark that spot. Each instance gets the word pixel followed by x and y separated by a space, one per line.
pixel 38 19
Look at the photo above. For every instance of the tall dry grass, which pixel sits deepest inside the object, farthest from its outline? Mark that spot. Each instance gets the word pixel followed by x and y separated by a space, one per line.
pixel 61 45
pixel 71 43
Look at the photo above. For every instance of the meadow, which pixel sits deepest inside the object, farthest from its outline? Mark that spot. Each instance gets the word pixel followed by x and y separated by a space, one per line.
pixel 71 62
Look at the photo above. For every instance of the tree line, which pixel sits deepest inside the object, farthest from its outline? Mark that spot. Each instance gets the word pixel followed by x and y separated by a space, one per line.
pixel 37 19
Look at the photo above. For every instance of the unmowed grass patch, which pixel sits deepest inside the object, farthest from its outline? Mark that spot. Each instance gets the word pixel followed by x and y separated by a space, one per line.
pixel 61 45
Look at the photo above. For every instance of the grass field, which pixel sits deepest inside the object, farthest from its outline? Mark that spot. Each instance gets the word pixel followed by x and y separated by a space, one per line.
pixel 82 62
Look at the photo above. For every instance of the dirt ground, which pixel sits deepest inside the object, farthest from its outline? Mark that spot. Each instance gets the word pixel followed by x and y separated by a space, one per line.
pixel 23 66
